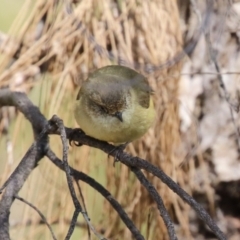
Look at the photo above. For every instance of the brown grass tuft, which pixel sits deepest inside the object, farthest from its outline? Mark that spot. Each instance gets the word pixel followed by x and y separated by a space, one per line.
pixel 51 48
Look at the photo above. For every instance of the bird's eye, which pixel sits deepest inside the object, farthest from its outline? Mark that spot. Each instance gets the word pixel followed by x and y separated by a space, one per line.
pixel 104 109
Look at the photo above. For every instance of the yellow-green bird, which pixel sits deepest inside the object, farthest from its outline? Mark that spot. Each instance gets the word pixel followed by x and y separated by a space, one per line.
pixel 115 105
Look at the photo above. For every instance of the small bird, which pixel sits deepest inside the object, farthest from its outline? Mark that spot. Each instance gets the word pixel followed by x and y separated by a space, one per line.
pixel 115 105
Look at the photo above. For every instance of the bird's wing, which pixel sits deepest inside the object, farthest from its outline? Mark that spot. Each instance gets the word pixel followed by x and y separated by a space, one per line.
pixel 79 94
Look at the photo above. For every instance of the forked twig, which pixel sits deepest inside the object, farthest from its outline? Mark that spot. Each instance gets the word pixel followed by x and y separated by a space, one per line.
pixel 99 188
pixel 78 207
pixel 41 148
pixel 146 165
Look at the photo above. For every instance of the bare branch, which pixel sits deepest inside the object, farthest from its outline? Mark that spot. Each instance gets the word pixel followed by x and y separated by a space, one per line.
pixel 78 208
pixel 40 148
pixel 213 56
pixel 163 211
pixel 24 105
pixel 40 214
pixel 103 191
pixel 15 182
pixel 146 165
pixel 84 205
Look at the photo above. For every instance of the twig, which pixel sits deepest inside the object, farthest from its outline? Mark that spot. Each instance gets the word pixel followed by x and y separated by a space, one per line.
pixel 16 181
pixel 40 147
pixel 24 105
pixel 78 207
pixel 40 214
pixel 84 205
pixel 146 165
pixel 103 191
pixel 196 10
pixel 163 211
pixel 211 73
pixel 21 101
pixel 36 152
pixel 102 51
pixel 213 56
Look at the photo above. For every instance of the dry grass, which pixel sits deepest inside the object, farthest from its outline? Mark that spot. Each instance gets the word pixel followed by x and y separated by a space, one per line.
pixel 51 49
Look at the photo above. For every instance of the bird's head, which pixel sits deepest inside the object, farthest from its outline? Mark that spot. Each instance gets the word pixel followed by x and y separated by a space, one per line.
pixel 108 100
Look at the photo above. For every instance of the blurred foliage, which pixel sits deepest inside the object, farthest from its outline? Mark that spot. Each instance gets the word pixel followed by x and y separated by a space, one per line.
pixel 57 45
pixel 8 11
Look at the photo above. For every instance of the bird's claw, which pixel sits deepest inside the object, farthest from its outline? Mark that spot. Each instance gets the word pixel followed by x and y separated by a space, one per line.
pixel 117 150
pixel 71 137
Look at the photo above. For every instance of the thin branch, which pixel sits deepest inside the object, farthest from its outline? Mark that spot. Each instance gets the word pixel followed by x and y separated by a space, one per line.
pixel 40 214
pixel 21 101
pixel 36 152
pixel 196 10
pixel 103 191
pixel 163 211
pixel 78 207
pixel 102 51
pixel 25 106
pixel 84 205
pixel 39 122
pixel 15 182
pixel 213 56
pixel 146 165
pixel 210 73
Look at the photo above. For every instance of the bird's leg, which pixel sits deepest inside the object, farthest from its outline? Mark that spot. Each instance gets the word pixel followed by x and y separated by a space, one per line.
pixel 71 137
pixel 118 149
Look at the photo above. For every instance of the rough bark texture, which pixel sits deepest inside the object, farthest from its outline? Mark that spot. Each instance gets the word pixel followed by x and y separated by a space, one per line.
pixel 209 110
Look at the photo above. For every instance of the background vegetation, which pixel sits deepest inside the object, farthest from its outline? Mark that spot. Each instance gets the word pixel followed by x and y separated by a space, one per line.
pixel 49 50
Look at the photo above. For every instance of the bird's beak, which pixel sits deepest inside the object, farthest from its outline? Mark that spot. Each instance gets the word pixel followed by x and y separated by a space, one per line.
pixel 119 116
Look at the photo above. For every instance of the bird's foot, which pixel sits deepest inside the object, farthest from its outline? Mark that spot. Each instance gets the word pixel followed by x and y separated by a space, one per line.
pixel 118 150
pixel 71 137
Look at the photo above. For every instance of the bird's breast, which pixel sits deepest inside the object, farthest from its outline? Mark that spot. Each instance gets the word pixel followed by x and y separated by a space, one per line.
pixel 136 121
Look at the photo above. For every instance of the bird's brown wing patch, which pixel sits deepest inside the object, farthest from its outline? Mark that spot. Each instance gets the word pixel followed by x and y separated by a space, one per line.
pixel 78 95
pixel 144 92
pixel 144 99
